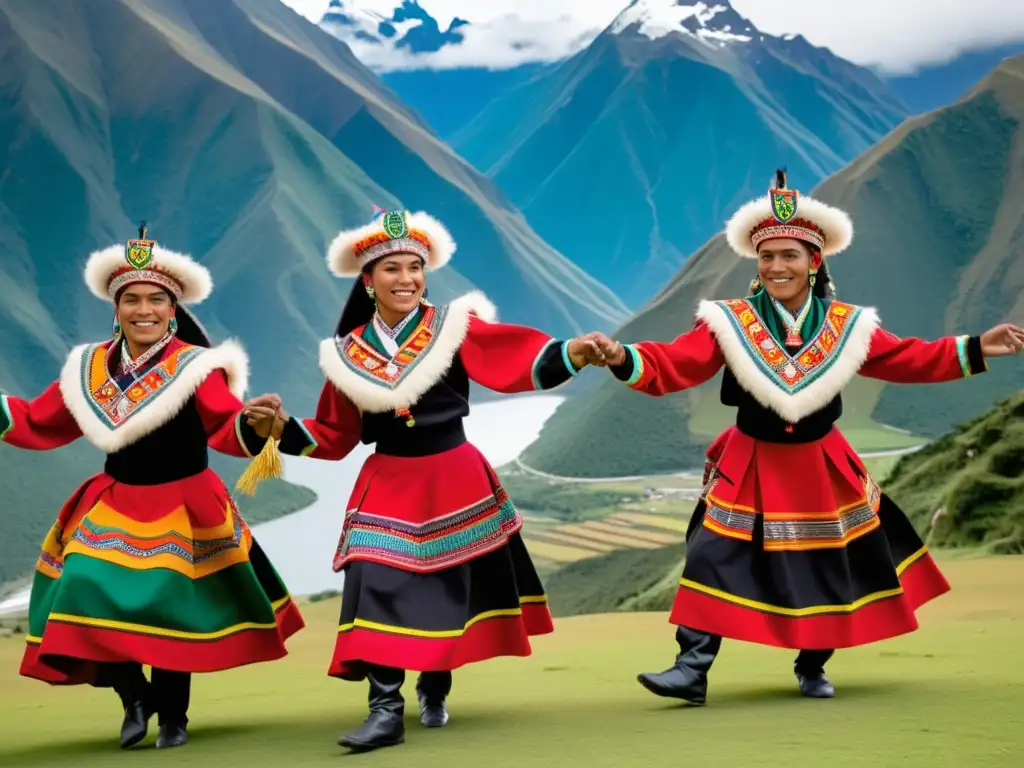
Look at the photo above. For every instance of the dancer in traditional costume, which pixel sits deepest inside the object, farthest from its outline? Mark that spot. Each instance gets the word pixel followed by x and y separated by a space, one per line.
pixel 149 562
pixel 793 544
pixel 436 573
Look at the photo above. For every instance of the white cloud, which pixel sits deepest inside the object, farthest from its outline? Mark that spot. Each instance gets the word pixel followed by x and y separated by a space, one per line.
pixel 893 35
pixel 898 36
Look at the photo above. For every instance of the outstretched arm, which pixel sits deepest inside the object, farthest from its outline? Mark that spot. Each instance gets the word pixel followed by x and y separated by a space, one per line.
pixel 514 358
pixel 37 425
pixel 227 429
pixel 915 361
pixel 331 435
pixel 657 368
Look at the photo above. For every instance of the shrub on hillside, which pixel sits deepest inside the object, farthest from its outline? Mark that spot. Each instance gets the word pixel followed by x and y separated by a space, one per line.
pixel 602 584
pixel 567 502
pixel 975 476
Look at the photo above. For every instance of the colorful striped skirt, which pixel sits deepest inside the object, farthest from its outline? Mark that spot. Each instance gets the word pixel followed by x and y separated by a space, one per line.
pixel 164 575
pixel 796 546
pixel 436 572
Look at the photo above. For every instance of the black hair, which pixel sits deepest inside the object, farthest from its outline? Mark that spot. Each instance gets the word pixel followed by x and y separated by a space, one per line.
pixel 823 286
pixel 190 330
pixel 359 307
pixel 358 310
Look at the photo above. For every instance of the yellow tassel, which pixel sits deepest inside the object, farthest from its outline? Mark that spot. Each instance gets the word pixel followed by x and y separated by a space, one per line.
pixel 266 465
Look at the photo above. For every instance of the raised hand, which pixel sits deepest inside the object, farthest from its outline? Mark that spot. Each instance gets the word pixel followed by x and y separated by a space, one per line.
pixel 1003 340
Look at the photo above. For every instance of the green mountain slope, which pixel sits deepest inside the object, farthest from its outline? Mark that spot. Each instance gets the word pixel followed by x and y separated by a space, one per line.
pixel 967 487
pixel 939 212
pixel 247 137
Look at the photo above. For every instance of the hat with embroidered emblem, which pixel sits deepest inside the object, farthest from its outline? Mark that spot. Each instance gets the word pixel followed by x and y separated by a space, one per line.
pixel 388 233
pixel 144 261
pixel 785 213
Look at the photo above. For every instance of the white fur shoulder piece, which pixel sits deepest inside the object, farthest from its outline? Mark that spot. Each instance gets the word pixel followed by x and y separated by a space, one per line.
pixel 797 385
pixel 376 384
pixel 111 419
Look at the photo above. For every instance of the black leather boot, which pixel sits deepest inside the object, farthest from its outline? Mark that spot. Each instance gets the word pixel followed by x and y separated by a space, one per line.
pixel 810 674
pixel 131 686
pixel 384 726
pixel 688 678
pixel 432 689
pixel 172 692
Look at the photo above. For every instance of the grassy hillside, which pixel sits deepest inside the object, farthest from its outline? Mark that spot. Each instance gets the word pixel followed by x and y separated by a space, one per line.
pixel 966 489
pixel 939 208
pixel 944 695
pixel 615 580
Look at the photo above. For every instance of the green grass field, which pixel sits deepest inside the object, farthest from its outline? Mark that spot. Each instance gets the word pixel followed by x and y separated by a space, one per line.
pixel 949 694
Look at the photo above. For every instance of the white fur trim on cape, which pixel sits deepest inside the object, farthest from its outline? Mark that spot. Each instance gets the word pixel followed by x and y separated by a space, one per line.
pixel 194 279
pixel 343 262
pixel 378 398
pixel 790 406
pixel 836 224
pixel 229 357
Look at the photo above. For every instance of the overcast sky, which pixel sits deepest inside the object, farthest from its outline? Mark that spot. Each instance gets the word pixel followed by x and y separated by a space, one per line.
pixel 897 36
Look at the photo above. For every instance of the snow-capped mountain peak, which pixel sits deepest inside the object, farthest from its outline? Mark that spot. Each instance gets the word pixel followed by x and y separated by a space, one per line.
pixel 715 24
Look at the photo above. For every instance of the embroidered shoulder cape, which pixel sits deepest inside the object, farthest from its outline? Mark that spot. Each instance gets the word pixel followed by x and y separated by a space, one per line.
pixel 793 384
pixel 376 383
pixel 112 417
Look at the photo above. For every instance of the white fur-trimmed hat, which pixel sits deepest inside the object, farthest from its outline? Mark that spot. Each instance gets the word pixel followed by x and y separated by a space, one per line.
pixel 143 261
pixel 390 232
pixel 784 213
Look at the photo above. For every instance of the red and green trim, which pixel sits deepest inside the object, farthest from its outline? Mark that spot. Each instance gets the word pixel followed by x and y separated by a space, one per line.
pixel 6 419
pixel 632 370
pixel 552 367
pixel 969 354
pixel 435 545
pixel 250 443
pixel 98 611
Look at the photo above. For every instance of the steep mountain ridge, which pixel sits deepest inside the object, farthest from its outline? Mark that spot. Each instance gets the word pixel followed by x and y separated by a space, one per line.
pixel 652 132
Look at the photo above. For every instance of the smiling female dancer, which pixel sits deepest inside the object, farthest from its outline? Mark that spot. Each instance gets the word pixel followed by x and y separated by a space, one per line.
pixel 793 544
pixel 149 562
pixel 436 574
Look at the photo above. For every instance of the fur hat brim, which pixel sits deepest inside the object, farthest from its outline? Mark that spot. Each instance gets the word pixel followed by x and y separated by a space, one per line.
pixel 193 278
pixel 342 260
pixel 834 223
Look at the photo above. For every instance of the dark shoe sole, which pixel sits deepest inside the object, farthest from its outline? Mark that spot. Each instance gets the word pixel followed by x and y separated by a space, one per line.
pixel 669 693
pixel 165 745
pixel 830 695
pixel 367 746
pixel 129 743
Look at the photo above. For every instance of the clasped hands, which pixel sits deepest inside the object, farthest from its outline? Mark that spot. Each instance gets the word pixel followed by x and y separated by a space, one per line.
pixel 595 349
pixel 266 415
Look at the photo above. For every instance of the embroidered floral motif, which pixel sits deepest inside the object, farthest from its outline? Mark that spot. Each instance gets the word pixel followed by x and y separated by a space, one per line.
pixel 368 363
pixel 115 406
pixel 792 372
